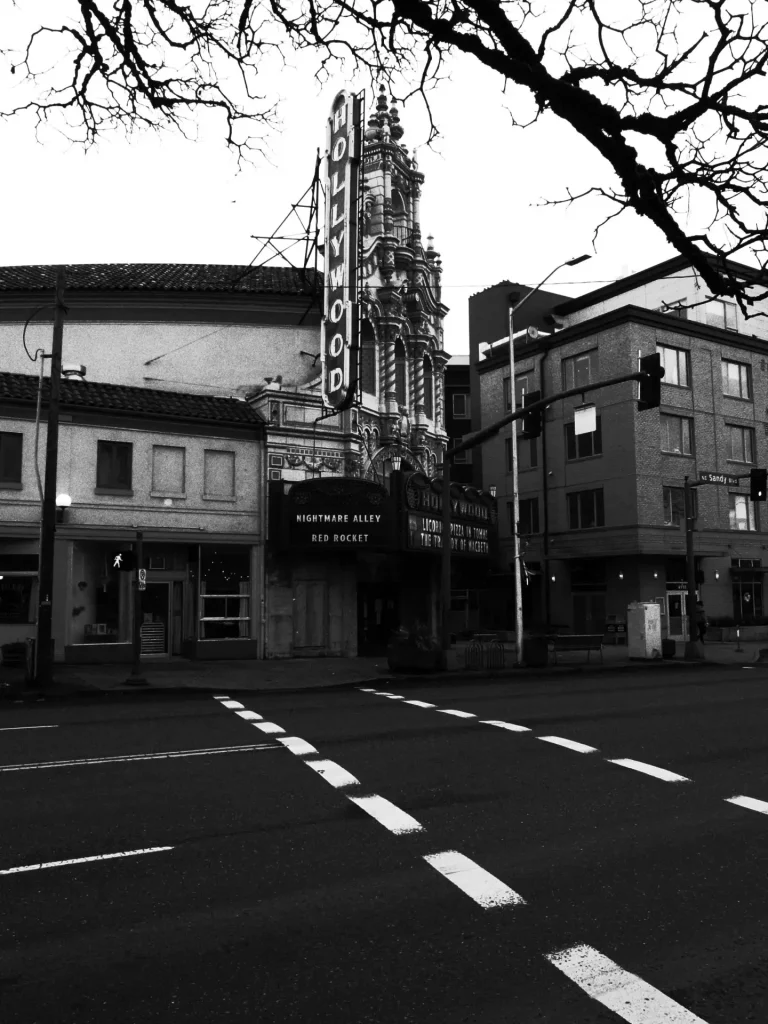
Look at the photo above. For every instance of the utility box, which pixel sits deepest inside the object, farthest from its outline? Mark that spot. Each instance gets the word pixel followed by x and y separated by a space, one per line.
pixel 644 630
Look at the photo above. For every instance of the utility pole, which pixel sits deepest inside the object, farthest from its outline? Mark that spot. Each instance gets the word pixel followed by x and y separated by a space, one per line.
pixel 43 653
pixel 517 568
pixel 692 652
pixel 136 678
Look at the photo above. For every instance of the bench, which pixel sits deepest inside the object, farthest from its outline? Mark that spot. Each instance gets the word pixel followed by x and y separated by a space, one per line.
pixel 578 642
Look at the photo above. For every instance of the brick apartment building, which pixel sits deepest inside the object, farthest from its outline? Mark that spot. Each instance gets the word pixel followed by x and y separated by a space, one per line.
pixel 601 515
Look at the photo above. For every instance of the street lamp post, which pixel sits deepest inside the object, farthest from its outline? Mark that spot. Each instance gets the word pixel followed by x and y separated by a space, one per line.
pixel 513 307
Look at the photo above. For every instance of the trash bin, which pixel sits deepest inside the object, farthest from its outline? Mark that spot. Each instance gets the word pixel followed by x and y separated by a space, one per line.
pixel 535 651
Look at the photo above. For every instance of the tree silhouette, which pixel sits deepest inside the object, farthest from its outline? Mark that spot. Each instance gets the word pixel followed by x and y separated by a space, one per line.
pixel 684 81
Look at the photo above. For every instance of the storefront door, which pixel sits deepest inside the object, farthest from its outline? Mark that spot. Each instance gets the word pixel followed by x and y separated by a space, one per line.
pixel 155 610
pixel 376 617
pixel 676 616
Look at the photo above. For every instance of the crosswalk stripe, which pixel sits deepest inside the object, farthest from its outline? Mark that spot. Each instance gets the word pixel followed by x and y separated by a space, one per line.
pixel 387 814
pixel 633 999
pixel 648 769
pixel 483 887
pixel 333 773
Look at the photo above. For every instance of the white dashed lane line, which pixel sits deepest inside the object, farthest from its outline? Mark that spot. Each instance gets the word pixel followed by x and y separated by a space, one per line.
pixel 648 769
pixel 458 714
pixel 387 814
pixel 84 860
pixel 420 704
pixel 479 884
pixel 297 745
pixel 15 728
pixel 505 725
pixel 628 996
pixel 333 773
pixel 580 748
pixel 749 803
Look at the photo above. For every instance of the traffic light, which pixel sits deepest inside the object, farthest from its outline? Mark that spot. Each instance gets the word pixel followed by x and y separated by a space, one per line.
pixel 122 561
pixel 533 421
pixel 758 483
pixel 650 386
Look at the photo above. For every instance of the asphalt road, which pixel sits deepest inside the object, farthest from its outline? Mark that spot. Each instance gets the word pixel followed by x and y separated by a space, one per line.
pixel 391 862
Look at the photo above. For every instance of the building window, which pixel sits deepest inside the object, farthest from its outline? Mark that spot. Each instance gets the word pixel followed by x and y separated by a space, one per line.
pixel 676 434
pixel 114 465
pixel 521 389
pixel 527 453
pixel 675 363
pixel 428 392
pixel 674 505
pixel 461 410
pixel 721 314
pixel 168 469
pixel 580 369
pixel 747 589
pixel 16 604
pixel 736 382
pixel 585 509
pixel 583 446
pixel 367 358
pixel 10 457
pixel 465 456
pixel 400 372
pixel 529 515
pixel 225 592
pixel 676 309
pixel 741 443
pixel 219 473
pixel 742 513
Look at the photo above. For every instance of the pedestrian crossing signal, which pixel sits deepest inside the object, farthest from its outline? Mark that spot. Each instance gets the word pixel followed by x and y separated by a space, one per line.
pixel 758 479
pixel 122 561
pixel 650 385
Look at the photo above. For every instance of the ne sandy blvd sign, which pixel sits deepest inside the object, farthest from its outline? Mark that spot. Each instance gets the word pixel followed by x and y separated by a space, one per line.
pixel 719 478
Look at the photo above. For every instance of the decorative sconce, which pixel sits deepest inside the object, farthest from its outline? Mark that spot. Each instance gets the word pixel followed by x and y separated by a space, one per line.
pixel 655 575
pixel 63 501
pixel 493 490
pixel 396 461
pixel 552 578
pixel 621 575
pixel 717 574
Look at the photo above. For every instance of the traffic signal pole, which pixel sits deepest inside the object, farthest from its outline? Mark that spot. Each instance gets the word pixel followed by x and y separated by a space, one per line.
pixel 692 649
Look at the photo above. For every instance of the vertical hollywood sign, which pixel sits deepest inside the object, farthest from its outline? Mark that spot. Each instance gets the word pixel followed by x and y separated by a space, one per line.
pixel 339 345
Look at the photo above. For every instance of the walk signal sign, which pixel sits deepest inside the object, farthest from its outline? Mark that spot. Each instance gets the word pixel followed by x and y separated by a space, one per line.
pixel 758 484
pixel 122 561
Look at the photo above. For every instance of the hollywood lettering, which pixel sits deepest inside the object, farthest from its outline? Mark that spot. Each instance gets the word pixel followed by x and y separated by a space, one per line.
pixel 427 499
pixel 339 330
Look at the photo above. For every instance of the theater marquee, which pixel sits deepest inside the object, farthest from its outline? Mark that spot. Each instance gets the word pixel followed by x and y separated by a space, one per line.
pixel 339 342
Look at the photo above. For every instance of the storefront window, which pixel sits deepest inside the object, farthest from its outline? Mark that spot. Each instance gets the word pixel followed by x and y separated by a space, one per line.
pixel 100 601
pixel 225 592
pixel 16 599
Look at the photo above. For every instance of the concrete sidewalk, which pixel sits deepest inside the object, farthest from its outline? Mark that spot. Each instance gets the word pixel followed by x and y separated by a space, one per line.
pixel 293 675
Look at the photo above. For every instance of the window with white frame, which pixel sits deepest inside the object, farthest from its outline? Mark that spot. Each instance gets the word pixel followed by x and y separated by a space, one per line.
pixel 736 382
pixel 674 505
pixel 583 446
pixel 225 592
pixel 721 314
pixel 741 443
pixel 522 386
pixel 742 514
pixel 676 434
pixel 676 309
pixel 675 363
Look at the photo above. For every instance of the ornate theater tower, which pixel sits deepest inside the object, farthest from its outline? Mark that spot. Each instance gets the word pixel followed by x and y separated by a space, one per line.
pixel 401 390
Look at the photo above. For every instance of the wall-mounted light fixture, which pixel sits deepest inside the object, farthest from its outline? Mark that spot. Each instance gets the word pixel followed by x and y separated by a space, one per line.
pixel 552 578
pixel 492 489
pixel 621 575
pixel 396 461
pixel 63 501
pixel 655 575
pixel 717 574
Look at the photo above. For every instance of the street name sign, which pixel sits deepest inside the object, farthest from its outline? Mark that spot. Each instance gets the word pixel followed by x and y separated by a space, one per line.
pixel 719 478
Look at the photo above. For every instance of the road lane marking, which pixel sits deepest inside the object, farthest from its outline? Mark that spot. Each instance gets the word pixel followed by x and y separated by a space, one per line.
pixel 138 757
pixel 333 773
pixel 479 884
pixel 297 745
pixel 387 814
pixel 581 748
pixel 420 704
pixel 458 714
pixel 630 997
pixel 269 727
pixel 249 716
pixel 366 689
pixel 14 728
pixel 749 802
pixel 381 693
pixel 505 725
pixel 83 860
pixel 648 769
pixel 232 704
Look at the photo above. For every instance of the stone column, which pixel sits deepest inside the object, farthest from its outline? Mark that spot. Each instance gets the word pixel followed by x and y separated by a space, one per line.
pixel 418 350
pixel 390 393
pixel 439 360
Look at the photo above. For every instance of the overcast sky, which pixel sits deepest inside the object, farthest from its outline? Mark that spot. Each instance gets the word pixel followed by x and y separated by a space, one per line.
pixel 157 199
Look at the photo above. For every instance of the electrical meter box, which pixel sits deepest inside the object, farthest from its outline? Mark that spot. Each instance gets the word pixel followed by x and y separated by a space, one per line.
pixel 644 630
